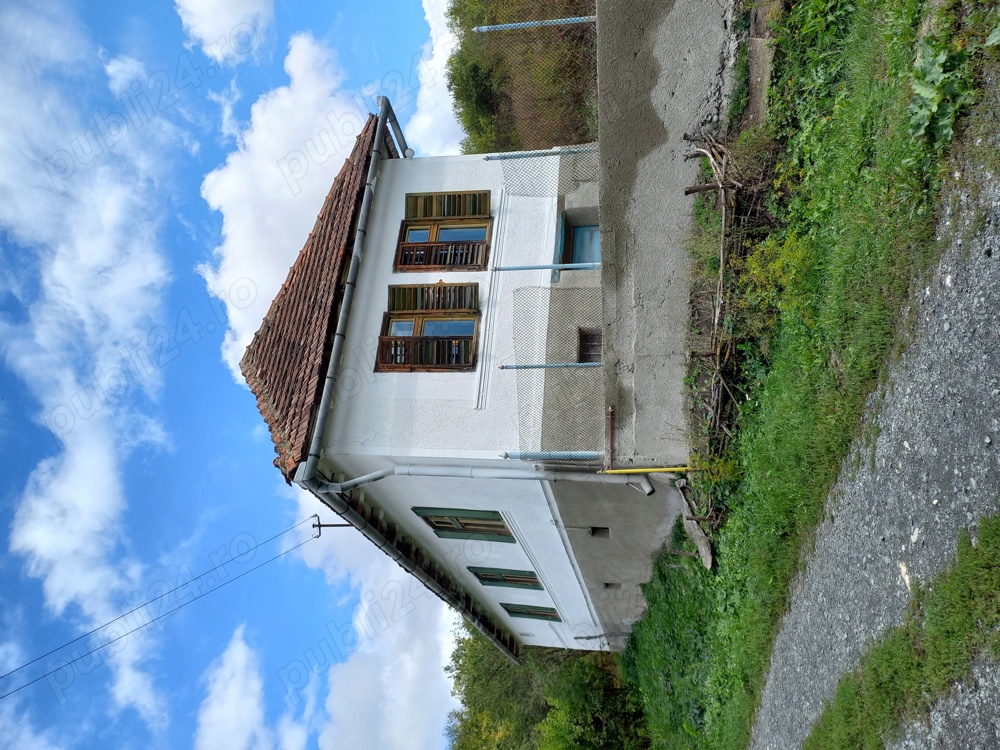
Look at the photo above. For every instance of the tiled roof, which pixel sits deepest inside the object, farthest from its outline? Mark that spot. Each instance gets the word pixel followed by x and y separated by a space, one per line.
pixel 285 364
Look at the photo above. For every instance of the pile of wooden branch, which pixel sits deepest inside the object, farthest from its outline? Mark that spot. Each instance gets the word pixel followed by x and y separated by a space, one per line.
pixel 726 183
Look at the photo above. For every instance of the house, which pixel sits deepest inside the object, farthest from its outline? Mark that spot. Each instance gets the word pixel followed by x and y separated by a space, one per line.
pixel 428 375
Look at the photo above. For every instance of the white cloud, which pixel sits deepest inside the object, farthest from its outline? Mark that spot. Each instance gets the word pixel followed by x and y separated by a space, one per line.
pixel 19 733
pixel 433 129
pixel 271 188
pixel 122 71
pixel 228 31
pixel 226 99
pixel 232 714
pixel 89 276
pixel 405 638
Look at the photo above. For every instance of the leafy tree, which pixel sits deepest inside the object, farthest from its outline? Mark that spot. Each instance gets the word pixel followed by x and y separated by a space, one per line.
pixel 501 701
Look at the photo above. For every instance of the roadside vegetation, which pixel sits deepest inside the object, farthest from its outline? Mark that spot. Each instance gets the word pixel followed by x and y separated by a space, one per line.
pixel 863 102
pixel 553 700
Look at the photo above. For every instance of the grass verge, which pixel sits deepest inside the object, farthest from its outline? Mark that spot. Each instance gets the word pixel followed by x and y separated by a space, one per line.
pixel 948 624
pixel 855 198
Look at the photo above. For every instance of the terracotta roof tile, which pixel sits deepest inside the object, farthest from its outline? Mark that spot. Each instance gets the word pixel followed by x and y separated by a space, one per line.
pixel 285 364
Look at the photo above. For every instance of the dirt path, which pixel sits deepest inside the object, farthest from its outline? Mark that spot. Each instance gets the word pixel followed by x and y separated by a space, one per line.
pixel 929 468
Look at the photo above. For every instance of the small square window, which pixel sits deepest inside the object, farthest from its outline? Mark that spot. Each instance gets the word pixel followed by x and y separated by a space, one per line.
pixel 590 342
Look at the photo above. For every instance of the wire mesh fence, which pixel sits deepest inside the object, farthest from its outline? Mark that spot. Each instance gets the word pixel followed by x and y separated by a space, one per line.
pixel 550 173
pixel 560 385
pixel 519 86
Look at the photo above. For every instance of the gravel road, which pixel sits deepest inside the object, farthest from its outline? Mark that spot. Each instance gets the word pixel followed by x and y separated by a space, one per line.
pixel 931 470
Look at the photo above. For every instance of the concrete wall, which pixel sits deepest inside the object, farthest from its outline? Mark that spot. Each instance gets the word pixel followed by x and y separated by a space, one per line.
pixel 613 566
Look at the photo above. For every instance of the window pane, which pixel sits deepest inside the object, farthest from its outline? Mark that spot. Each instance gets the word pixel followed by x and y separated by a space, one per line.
pixel 449 327
pixel 586 244
pixel 418 234
pixel 462 234
pixel 483 525
pixel 401 328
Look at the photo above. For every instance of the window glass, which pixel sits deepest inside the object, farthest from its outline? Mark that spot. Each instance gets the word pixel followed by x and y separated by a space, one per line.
pixel 449 327
pixel 529 611
pixel 418 234
pixel 586 244
pixel 401 328
pixel 462 234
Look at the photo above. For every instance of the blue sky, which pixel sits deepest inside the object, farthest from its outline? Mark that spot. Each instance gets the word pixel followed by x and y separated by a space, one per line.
pixel 162 164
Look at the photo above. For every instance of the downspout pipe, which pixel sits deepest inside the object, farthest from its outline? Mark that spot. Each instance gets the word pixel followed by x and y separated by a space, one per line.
pixel 336 502
pixel 639 482
pixel 397 131
pixel 307 470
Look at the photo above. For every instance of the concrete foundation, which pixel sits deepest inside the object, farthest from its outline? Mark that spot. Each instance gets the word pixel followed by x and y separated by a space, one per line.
pixel 615 531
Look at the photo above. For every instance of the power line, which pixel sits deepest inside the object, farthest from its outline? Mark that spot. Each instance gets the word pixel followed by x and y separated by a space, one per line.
pixel 159 617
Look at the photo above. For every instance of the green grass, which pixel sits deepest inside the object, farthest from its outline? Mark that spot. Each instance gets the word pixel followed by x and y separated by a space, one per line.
pixel 855 194
pixel 948 624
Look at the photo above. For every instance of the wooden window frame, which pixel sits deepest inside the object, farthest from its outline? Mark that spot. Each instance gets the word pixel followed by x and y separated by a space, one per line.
pixel 531 612
pixel 464 522
pixel 437 211
pixel 507 578
pixel 427 303
pixel 474 254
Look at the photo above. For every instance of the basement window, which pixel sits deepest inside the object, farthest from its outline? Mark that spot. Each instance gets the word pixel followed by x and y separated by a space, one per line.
pixel 531 612
pixel 600 532
pixel 456 523
pixel 516 579
pixel 590 342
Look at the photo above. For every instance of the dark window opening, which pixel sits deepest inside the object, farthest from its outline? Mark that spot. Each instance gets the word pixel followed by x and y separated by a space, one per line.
pixel 590 342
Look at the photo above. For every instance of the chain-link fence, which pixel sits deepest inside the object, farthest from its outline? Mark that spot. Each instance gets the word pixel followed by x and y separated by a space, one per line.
pixel 560 392
pixel 519 86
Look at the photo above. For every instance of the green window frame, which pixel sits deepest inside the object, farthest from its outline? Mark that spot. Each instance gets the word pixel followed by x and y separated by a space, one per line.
pixel 515 579
pixel 461 523
pixel 531 612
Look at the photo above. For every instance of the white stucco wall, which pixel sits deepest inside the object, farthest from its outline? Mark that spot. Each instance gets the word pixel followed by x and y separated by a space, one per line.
pixel 469 414
pixel 529 510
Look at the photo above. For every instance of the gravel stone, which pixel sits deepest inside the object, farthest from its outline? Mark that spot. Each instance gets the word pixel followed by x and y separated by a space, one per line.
pixel 969 719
